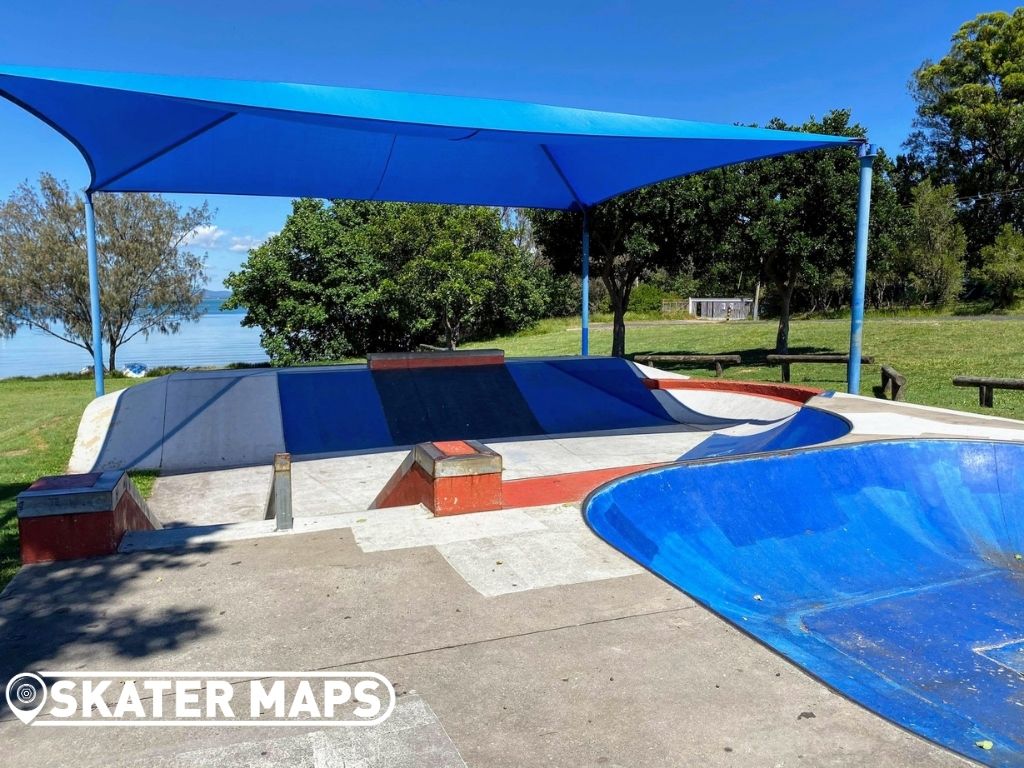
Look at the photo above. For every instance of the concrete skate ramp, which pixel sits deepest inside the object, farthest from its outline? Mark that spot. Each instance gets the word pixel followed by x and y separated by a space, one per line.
pixel 193 421
pixel 352 409
pixel 892 571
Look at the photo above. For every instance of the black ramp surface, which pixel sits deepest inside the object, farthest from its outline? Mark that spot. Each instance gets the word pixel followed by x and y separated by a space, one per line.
pixel 468 402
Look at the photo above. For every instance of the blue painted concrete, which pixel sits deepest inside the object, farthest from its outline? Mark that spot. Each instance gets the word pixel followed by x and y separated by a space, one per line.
pixel 888 570
pixel 587 395
pixel 807 427
pixel 331 411
pixel 354 409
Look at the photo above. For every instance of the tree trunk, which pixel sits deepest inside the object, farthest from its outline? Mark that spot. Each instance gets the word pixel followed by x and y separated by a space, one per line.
pixel 782 337
pixel 618 330
pixel 618 293
pixel 112 358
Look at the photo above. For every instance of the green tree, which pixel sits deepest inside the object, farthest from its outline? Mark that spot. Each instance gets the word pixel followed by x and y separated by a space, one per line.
pixel 970 122
pixel 150 282
pixel 787 221
pixel 449 290
pixel 629 238
pixel 1002 266
pixel 790 221
pixel 345 278
pixel 936 246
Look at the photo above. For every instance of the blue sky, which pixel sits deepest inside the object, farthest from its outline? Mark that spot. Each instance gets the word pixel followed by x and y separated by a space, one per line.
pixel 721 61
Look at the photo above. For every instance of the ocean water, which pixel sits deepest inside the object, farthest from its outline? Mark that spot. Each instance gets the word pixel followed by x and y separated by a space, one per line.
pixel 216 339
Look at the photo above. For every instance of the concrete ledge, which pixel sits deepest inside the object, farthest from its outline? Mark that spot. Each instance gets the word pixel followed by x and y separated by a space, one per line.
pixel 67 517
pixel 390 361
pixel 448 478
pixel 456 458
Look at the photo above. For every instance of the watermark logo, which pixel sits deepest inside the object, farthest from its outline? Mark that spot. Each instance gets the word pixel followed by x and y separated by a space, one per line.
pixel 26 695
pixel 270 699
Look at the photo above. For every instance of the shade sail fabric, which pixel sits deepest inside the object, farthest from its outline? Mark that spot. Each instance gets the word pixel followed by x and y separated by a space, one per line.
pixel 148 133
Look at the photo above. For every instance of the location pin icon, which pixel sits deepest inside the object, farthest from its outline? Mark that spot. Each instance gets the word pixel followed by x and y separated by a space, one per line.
pixel 26 695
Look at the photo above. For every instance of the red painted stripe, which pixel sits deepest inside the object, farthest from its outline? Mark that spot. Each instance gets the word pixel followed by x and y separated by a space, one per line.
pixel 561 489
pixel 435 360
pixel 786 392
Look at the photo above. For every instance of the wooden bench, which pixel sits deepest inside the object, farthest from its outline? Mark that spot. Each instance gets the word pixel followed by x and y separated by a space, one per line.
pixel 986 386
pixel 719 361
pixel 786 360
pixel 893 383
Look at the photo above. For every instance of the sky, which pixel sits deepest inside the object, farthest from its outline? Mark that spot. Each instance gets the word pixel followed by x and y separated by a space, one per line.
pixel 723 61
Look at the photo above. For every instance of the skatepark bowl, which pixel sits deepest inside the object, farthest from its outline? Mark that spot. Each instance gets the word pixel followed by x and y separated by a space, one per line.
pixel 892 571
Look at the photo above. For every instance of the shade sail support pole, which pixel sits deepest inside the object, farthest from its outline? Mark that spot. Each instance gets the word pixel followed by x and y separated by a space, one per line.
pixel 94 294
pixel 585 287
pixel 866 153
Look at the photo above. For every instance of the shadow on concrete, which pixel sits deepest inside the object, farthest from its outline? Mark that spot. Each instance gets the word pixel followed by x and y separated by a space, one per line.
pixel 66 615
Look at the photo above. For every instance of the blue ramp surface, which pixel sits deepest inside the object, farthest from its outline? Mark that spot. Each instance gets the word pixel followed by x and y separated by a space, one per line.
pixel 324 411
pixel 351 409
pixel 892 571
pixel 589 395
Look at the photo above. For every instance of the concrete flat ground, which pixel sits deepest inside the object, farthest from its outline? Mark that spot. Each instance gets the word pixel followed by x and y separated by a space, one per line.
pixel 512 638
pixel 350 483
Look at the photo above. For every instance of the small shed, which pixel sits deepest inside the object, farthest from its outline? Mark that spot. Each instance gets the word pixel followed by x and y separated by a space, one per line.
pixel 720 309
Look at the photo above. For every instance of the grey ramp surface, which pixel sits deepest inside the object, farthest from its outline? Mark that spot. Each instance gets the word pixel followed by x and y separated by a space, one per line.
pixel 134 437
pixel 207 498
pixel 618 672
pixel 185 421
pixel 207 415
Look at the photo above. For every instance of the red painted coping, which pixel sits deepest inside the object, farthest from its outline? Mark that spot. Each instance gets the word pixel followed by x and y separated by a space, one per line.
pixel 786 392
pixel 391 361
pixel 562 489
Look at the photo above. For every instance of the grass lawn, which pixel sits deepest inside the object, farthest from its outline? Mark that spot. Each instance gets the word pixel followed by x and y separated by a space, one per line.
pixel 40 417
pixel 37 431
pixel 929 351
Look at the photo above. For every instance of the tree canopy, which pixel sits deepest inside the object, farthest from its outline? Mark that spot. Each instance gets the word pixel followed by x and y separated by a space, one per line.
pixel 970 123
pixel 150 282
pixel 789 221
pixel 346 278
pixel 1002 266
pixel 630 236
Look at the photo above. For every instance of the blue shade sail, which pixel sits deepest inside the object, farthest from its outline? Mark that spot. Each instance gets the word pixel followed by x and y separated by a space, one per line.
pixel 148 133
pixel 892 571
